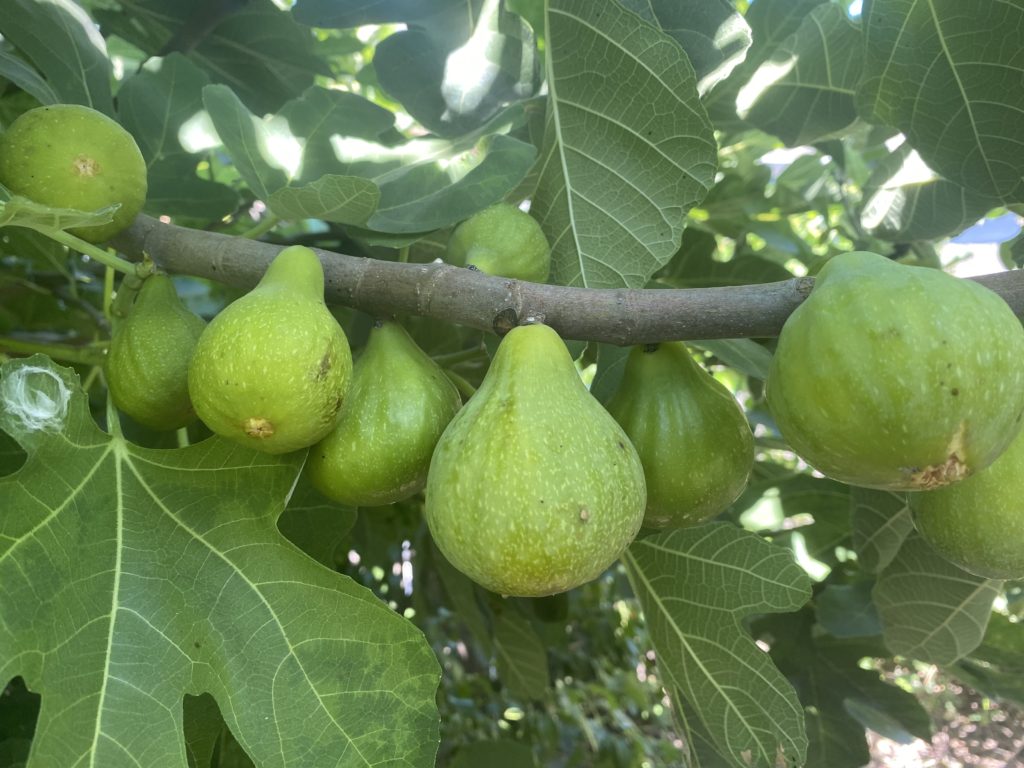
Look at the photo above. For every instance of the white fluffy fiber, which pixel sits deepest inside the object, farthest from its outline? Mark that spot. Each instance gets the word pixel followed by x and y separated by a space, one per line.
pixel 36 397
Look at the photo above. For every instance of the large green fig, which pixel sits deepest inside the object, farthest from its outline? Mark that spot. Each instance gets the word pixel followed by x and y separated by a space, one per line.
pixel 272 369
pixel 502 240
pixel 979 523
pixel 71 156
pixel 147 363
pixel 692 437
pixel 898 377
pixel 399 404
pixel 533 488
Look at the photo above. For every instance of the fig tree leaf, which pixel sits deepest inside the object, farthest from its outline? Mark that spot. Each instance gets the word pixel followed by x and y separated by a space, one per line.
pixel 931 609
pixel 154 105
pixel 135 576
pixel 996 667
pixel 203 726
pixel 881 521
pixel 65 46
pixel 331 13
pixel 617 180
pixel 905 200
pixel 714 36
pixel 804 91
pixel 247 139
pixel 253 47
pixel 341 199
pixel 695 586
pixel 315 524
pixel 847 610
pixel 25 77
pixel 947 74
pixel 18 211
pixel 463 594
pixel 745 355
pixel 519 655
pixel 447 182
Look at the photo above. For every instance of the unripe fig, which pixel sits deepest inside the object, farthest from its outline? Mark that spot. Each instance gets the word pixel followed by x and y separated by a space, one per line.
pixel 897 377
pixel 147 363
pixel 502 240
pixel 533 488
pixel 70 156
pixel 692 437
pixel 399 404
pixel 979 523
pixel 272 369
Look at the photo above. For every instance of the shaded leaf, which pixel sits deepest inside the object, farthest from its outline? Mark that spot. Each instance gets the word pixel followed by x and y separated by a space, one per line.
pixel 931 609
pixel 142 575
pixel 804 91
pixel 947 74
pixel 499 753
pixel 26 78
pixel 17 211
pixel 745 355
pixel 904 200
pixel 331 13
pixel 315 524
pixel 714 36
pixel 519 655
pixel 881 521
pixel 65 46
pixel 847 610
pixel 617 179
pixel 341 199
pixel 695 585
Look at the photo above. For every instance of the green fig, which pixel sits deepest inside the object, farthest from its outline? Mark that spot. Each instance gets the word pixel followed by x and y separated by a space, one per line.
pixel 399 404
pixel 897 377
pixel 979 523
pixel 692 436
pixel 147 363
pixel 533 488
pixel 70 156
pixel 272 369
pixel 502 240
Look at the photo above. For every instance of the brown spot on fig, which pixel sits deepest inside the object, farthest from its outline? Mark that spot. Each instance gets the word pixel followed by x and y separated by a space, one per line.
pixel 954 391
pixel 85 166
pixel 954 468
pixel 258 427
pixel 584 514
pixel 324 367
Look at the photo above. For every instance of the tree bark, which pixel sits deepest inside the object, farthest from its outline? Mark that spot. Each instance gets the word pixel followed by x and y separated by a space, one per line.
pixel 466 297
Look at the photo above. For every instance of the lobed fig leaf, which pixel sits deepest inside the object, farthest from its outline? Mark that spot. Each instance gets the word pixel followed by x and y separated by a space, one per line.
pixel 692 437
pixel 502 240
pixel 533 488
pixel 147 364
pixel 399 404
pixel 71 156
pixel 898 377
pixel 979 523
pixel 272 369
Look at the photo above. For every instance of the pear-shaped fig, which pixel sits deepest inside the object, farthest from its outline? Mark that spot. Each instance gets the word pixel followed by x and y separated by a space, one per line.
pixel 399 404
pixel 272 369
pixel 533 488
pixel 502 240
pixel 979 523
pixel 70 156
pixel 898 377
pixel 147 363
pixel 692 437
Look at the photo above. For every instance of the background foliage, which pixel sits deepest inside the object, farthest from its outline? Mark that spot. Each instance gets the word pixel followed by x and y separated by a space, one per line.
pixel 201 606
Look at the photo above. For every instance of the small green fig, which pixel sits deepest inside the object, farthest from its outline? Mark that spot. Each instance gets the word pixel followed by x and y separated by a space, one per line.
pixel 979 523
pixel 692 437
pixel 533 488
pixel 147 363
pixel 898 377
pixel 272 369
pixel 502 240
pixel 399 404
pixel 71 156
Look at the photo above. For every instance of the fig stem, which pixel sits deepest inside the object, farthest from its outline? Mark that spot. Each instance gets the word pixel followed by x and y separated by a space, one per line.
pixel 84 355
pixel 261 227
pixel 92 251
pixel 466 389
